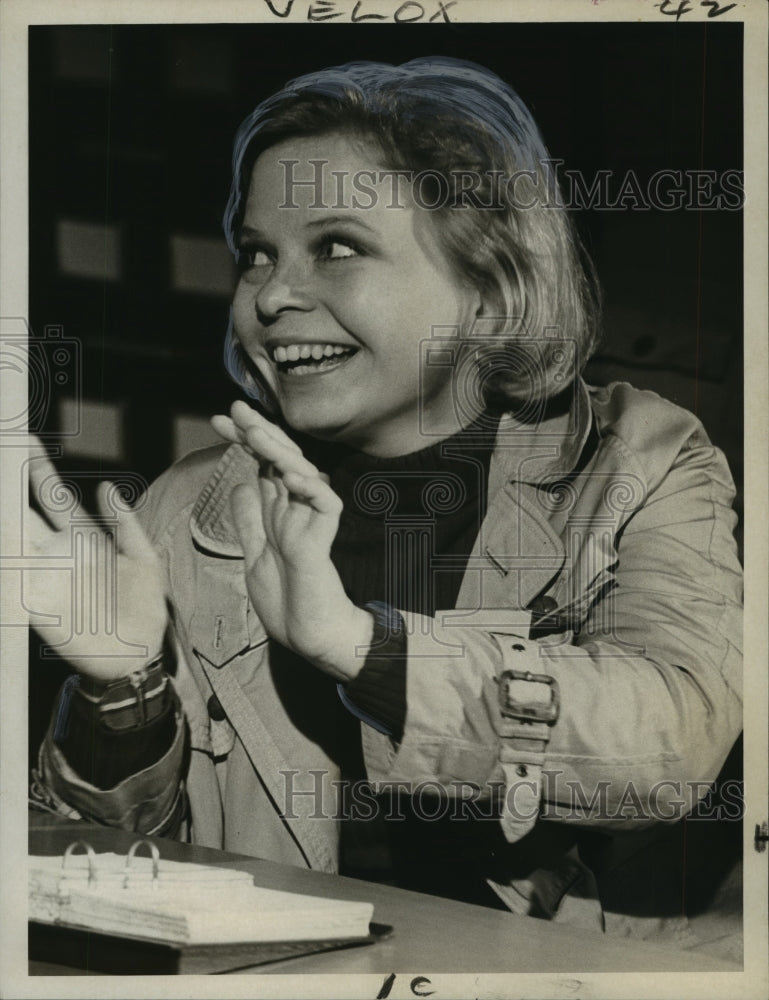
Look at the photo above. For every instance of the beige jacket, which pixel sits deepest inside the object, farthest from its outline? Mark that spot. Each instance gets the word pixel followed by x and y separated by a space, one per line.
pixel 635 549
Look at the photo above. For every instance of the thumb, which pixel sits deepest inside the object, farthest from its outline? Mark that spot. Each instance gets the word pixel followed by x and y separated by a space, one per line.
pixel 247 515
pixel 132 540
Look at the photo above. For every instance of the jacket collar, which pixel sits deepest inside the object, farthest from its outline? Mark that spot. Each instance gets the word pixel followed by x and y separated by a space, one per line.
pixel 532 453
pixel 544 450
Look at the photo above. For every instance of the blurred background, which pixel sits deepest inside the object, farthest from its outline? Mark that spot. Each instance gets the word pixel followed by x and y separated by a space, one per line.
pixel 130 144
pixel 130 278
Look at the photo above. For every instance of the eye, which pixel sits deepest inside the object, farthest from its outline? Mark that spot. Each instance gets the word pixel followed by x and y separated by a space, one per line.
pixel 338 249
pixel 258 258
pixel 252 257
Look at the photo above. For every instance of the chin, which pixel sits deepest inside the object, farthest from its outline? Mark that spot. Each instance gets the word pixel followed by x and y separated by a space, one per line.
pixel 326 427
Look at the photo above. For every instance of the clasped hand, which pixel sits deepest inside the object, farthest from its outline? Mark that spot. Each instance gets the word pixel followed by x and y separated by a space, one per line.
pixel 286 528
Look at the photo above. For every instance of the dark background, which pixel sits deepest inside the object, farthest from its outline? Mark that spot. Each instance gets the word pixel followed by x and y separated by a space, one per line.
pixel 130 143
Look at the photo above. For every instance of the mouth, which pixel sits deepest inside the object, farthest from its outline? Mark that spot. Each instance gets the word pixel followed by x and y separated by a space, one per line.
pixel 297 360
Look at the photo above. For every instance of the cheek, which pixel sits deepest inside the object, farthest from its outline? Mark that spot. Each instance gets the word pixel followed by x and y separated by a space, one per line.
pixel 388 316
pixel 435 379
pixel 243 309
pixel 359 305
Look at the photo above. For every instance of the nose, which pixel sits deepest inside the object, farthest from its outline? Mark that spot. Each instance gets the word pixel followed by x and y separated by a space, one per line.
pixel 287 288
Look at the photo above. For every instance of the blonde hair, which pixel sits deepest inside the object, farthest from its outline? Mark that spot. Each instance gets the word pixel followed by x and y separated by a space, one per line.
pixel 445 120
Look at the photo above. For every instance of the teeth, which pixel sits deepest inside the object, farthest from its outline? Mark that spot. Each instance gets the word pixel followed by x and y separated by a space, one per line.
pixel 296 352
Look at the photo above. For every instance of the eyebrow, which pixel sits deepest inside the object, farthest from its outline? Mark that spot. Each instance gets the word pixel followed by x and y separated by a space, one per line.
pixel 248 232
pixel 333 220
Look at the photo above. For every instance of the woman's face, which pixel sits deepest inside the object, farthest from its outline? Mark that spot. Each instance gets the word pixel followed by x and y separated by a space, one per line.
pixel 339 294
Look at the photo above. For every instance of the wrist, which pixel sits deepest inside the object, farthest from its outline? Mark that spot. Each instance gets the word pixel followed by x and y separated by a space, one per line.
pixel 133 673
pixel 99 672
pixel 348 656
pixel 130 701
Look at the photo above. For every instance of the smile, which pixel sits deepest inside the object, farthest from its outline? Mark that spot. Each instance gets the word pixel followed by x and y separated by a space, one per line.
pixel 310 359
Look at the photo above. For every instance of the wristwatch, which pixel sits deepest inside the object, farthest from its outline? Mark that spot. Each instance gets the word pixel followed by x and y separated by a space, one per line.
pixel 125 703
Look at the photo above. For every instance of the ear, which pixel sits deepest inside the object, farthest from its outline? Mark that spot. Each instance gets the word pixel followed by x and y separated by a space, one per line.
pixel 493 304
pixel 490 319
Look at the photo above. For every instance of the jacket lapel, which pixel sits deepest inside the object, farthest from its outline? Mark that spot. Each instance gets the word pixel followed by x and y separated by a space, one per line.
pixel 518 551
pixel 515 556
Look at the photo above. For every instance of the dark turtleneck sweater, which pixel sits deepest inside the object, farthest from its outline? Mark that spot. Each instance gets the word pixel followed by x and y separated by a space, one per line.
pixel 406 530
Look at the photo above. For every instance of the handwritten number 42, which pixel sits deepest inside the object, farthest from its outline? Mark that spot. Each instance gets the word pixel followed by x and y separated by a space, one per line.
pixel 666 7
pixel 418 986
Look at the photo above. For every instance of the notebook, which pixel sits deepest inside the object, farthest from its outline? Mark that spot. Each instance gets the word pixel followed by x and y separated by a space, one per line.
pixel 182 912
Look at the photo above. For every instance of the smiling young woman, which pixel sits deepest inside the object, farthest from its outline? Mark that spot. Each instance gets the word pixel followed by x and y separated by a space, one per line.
pixel 431 564
pixel 368 283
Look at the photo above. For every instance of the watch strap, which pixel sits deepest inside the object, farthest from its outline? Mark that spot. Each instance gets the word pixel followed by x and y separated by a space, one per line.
pixel 128 702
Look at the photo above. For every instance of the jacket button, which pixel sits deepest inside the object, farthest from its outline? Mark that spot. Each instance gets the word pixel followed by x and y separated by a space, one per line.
pixel 542 606
pixel 215 709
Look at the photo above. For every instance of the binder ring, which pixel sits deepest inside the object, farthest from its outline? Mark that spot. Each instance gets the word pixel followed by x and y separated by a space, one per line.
pixel 154 854
pixel 89 853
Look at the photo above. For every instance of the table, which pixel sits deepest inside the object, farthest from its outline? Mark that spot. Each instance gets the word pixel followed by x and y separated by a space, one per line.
pixel 430 933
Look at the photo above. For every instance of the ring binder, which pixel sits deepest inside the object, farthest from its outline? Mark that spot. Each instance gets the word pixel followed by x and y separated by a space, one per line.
pixel 203 915
pixel 154 854
pixel 90 854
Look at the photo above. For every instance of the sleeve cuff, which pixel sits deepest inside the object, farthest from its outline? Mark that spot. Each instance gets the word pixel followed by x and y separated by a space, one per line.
pixel 149 801
pixel 377 696
pixel 108 732
pixel 105 757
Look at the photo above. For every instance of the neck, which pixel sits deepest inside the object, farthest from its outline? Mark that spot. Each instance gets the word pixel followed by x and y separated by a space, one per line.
pixel 413 433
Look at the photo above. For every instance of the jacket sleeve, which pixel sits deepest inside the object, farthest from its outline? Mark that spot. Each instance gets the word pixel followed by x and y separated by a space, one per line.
pixel 149 801
pixel 650 685
pixel 146 796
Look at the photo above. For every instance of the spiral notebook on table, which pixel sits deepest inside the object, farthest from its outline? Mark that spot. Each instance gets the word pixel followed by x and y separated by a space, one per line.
pixel 137 914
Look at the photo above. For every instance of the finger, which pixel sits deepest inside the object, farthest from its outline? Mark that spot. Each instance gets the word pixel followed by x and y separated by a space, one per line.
pixel 247 516
pixel 281 499
pixel 39 537
pixel 264 438
pixel 225 428
pixel 53 497
pixel 286 459
pixel 268 495
pixel 275 476
pixel 258 438
pixel 315 491
pixel 132 539
pixel 323 505
pixel 245 417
